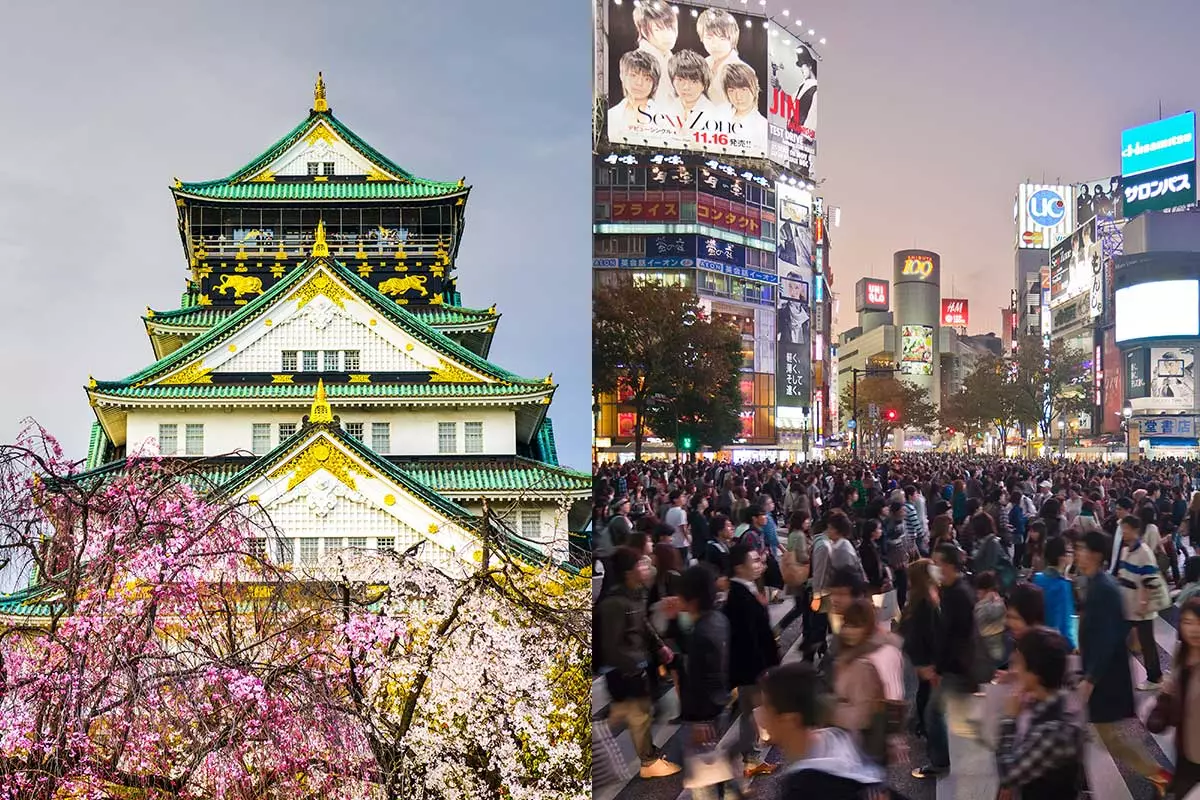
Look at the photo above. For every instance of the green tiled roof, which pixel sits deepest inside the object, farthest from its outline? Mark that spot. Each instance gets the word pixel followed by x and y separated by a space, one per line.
pixel 234 186
pixel 207 316
pixel 196 317
pixel 325 190
pixel 301 391
pixel 500 475
pixel 397 314
pixel 96 445
pixel 283 450
pixel 34 601
pixel 547 450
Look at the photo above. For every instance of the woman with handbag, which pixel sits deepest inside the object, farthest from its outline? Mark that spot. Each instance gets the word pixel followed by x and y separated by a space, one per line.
pixel 1179 702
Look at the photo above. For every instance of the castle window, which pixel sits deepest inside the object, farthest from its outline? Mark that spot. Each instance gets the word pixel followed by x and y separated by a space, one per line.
pixel 194 440
pixel 350 360
pixel 381 437
pixel 168 440
pixel 309 550
pixel 330 360
pixel 327 168
pixel 531 524
pixel 286 431
pixel 354 430
pixel 260 438
pixel 359 542
pixel 387 544
pixel 290 362
pixel 447 437
pixel 310 360
pixel 313 167
pixel 258 547
pixel 473 437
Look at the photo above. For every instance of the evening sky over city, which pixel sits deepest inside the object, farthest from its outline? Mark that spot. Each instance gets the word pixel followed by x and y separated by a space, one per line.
pixel 931 113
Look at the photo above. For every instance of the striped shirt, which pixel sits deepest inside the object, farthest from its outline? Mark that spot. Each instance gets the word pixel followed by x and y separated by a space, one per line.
pixel 1137 570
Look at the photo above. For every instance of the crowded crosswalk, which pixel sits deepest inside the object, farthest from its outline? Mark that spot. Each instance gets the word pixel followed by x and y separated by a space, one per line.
pixel 974 773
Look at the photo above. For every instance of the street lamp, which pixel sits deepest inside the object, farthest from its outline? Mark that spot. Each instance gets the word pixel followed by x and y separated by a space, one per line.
pixel 1127 413
pixel 1062 437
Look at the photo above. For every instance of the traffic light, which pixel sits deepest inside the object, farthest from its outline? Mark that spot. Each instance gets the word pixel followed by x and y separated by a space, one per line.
pixel 890 415
pixel 685 444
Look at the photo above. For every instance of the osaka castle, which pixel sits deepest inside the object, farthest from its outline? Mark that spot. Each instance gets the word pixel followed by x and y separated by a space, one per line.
pixel 322 365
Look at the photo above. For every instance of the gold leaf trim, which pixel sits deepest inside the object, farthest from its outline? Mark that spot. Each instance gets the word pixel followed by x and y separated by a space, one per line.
pixel 317 285
pixel 360 378
pixel 266 176
pixel 320 413
pixel 321 454
pixel 376 174
pixel 191 374
pixel 450 373
pixel 321 131
pixel 281 378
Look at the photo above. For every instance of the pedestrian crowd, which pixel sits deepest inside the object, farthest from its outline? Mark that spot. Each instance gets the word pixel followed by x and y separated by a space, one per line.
pixel 916 581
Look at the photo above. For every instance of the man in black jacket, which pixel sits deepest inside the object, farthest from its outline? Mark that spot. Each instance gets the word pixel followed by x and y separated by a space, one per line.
pixel 704 696
pixel 952 680
pixel 625 637
pixel 822 763
pixel 752 648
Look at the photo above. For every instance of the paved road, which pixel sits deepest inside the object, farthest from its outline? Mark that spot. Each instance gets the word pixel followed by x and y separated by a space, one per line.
pixel 973 776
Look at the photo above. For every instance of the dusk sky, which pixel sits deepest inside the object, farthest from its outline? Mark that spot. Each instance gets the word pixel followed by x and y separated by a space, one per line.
pixel 103 103
pixel 933 111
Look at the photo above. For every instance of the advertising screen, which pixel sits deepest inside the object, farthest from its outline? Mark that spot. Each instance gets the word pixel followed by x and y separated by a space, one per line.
pixel 793 327
pixel 954 312
pixel 685 77
pixel 916 350
pixel 1137 373
pixel 1074 264
pixel 1163 143
pixel 1158 309
pixel 871 294
pixel 1045 215
pixel 1100 198
pixel 792 103
pixel 1161 189
pixel 1172 377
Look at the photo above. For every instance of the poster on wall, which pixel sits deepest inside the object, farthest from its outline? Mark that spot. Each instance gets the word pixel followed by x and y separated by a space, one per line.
pixel 955 312
pixel 1137 369
pixel 1045 215
pixel 792 106
pixel 794 246
pixel 1101 198
pixel 916 350
pixel 685 77
pixel 793 330
pixel 1172 378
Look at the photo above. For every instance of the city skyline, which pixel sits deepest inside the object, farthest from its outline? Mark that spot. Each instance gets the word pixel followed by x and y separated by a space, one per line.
pixel 963 156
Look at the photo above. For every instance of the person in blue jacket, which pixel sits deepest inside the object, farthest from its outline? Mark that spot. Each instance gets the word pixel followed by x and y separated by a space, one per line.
pixel 1057 589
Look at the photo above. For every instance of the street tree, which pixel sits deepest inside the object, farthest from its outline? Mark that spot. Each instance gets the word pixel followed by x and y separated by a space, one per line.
pixel 680 367
pixel 987 400
pixel 909 406
pixel 1048 384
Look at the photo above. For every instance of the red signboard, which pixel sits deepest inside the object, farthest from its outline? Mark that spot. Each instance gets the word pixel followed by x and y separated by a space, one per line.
pixel 721 214
pixel 626 421
pixel 747 424
pixel 644 211
pixel 954 312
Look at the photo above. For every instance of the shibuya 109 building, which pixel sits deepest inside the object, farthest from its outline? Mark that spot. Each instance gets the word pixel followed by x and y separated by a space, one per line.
pixel 321 363
pixel 705 135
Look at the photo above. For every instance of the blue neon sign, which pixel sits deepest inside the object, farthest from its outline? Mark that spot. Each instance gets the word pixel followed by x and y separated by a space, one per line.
pixel 1164 143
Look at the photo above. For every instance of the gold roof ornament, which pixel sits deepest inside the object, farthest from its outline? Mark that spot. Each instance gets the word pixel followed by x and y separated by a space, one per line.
pixel 320 413
pixel 319 103
pixel 320 246
pixel 178 183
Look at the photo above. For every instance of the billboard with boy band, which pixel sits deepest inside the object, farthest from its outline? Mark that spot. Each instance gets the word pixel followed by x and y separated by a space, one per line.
pixel 686 77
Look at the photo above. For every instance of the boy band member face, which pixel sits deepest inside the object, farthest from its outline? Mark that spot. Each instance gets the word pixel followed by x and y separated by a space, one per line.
pixel 637 85
pixel 742 99
pixel 689 90
pixel 663 37
pixel 717 45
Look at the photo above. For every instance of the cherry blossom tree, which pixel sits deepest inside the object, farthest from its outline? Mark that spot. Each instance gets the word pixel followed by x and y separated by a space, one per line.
pixel 163 657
